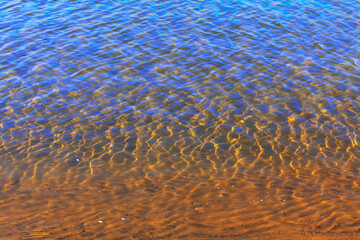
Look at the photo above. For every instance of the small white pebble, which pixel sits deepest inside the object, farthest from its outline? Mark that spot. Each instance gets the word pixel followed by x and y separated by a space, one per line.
pixel 217 187
pixel 78 160
pixel 123 218
pixel 261 200
pixel 100 221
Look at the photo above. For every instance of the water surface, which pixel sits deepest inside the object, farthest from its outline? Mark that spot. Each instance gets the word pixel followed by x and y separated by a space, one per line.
pixel 179 119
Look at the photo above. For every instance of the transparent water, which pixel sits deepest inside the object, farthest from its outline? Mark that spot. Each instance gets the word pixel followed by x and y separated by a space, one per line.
pixel 179 119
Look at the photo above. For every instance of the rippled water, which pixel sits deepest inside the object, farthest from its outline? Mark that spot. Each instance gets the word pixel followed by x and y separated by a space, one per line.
pixel 179 119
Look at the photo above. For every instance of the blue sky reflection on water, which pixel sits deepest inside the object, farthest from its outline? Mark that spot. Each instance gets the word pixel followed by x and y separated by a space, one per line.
pixel 78 48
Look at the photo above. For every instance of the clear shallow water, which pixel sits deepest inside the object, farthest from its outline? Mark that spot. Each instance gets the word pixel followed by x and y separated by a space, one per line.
pixel 179 119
